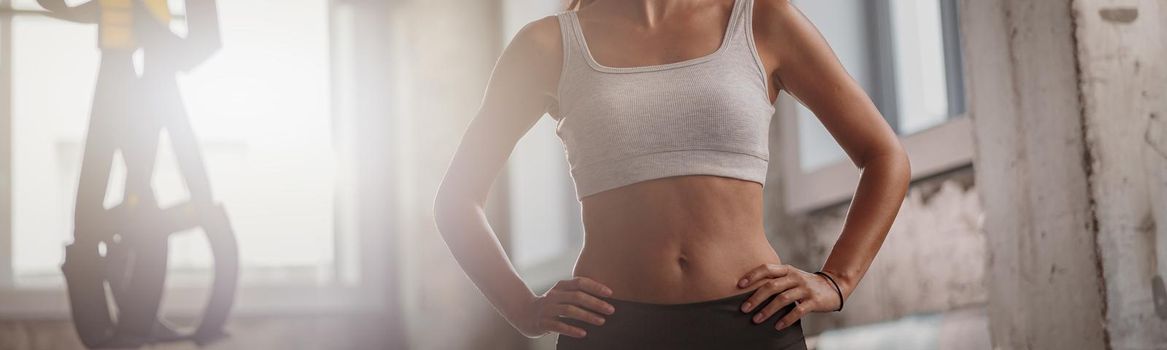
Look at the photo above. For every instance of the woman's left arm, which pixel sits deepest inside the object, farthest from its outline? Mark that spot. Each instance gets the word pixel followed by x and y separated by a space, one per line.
pixel 807 68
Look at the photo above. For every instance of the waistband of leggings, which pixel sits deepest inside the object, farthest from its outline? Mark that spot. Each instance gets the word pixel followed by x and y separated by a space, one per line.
pixel 725 300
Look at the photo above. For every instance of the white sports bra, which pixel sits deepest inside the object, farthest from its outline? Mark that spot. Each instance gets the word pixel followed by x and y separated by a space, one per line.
pixel 708 115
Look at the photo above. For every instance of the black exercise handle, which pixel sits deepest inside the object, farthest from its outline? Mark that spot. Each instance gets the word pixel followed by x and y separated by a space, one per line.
pixel 137 287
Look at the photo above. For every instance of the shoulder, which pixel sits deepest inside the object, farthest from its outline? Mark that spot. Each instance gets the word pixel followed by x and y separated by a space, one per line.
pixel 781 29
pixel 539 38
pixel 531 60
pixel 771 16
pixel 537 48
pixel 773 5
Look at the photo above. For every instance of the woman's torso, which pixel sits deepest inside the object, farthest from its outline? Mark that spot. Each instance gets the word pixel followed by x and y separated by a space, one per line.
pixel 671 238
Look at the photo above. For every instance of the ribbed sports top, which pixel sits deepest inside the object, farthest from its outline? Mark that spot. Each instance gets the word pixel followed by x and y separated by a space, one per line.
pixel 707 115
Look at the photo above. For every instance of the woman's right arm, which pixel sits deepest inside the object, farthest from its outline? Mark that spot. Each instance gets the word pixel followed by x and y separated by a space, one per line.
pixel 521 88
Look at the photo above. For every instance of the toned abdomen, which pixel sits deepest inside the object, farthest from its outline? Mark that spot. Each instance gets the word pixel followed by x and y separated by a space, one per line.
pixel 676 239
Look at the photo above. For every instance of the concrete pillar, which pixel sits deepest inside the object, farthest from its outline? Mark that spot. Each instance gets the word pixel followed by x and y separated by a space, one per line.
pixel 1045 284
pixel 1123 82
pixel 1068 99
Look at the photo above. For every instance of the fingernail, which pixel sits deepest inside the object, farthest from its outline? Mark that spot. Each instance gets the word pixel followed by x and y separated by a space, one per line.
pixel 743 282
pixel 609 309
pixel 758 318
pixel 608 291
pixel 780 325
pixel 746 307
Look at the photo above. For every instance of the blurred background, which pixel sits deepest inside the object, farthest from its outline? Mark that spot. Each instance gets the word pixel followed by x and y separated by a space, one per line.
pixel 1037 216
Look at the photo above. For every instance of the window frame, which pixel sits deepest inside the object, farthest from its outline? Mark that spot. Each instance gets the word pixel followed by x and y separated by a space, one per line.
pixel 365 224
pixel 933 150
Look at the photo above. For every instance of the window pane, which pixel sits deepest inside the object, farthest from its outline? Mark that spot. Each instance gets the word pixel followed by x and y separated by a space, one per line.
pixel 54 66
pixel 921 75
pixel 902 52
pixel 260 108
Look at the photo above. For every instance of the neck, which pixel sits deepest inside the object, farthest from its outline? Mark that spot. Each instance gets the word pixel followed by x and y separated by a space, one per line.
pixel 650 12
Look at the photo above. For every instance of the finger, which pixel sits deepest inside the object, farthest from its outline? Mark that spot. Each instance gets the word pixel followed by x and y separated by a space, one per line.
pixel 800 309
pixel 762 272
pixel 556 296
pixel 769 288
pixel 578 313
pixel 564 328
pixel 564 285
pixel 783 299
pixel 591 286
pixel 590 302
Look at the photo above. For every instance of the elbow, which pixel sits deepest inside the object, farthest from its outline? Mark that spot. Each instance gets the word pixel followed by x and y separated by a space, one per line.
pixel 451 208
pixel 442 208
pixel 893 162
pixel 900 166
pixel 903 165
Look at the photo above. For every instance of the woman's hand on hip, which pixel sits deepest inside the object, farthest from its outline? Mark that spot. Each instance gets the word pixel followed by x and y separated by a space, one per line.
pixel 576 298
pixel 809 292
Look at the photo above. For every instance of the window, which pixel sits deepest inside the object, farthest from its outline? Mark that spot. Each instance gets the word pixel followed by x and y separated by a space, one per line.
pixel 262 110
pixel 906 55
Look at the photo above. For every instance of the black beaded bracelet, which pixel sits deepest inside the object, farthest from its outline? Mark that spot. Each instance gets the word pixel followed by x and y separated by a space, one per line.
pixel 836 285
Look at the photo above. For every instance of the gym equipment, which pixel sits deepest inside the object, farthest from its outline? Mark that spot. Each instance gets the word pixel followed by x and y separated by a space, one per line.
pixel 124 247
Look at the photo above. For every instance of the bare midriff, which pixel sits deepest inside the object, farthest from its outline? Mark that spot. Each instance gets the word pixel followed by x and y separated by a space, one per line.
pixel 676 239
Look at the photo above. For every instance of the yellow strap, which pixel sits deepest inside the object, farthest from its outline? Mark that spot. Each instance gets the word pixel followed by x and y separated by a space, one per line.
pixel 159 9
pixel 117 23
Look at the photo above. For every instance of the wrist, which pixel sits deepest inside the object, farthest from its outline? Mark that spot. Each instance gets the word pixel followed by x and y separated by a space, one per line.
pixel 519 307
pixel 521 315
pixel 834 287
pixel 845 281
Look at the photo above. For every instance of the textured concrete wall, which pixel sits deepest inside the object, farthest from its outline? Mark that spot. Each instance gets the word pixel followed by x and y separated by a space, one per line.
pixel 932 261
pixel 1045 289
pixel 1123 67
pixel 1068 101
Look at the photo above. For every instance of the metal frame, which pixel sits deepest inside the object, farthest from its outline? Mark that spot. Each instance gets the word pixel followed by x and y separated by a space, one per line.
pixel 883 63
pixel 6 274
pixel 370 295
pixel 953 56
pixel 931 151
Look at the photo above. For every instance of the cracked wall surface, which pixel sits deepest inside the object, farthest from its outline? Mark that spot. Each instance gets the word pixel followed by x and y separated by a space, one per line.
pixel 933 259
pixel 1066 98
pixel 1045 285
pixel 1121 59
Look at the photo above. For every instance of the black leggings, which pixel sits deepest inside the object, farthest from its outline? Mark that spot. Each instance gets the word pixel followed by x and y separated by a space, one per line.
pixel 713 324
